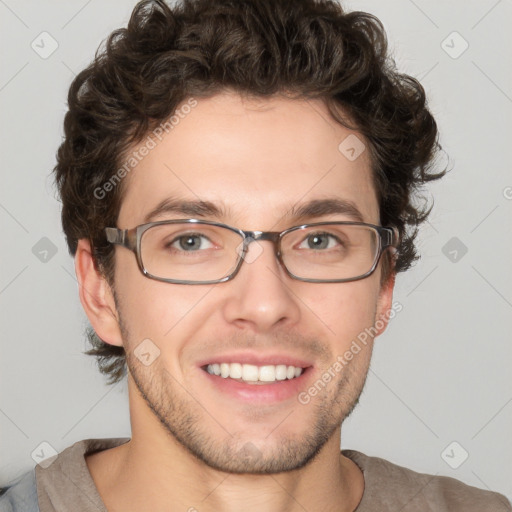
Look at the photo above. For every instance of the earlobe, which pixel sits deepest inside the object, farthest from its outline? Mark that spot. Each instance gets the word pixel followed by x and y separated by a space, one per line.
pixel 96 296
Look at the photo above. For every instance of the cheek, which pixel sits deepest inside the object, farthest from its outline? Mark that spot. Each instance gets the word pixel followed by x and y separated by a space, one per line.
pixel 162 310
pixel 344 309
pixel 150 308
pixel 168 315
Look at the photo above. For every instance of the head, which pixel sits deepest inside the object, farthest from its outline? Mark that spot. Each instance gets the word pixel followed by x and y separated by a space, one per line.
pixel 244 106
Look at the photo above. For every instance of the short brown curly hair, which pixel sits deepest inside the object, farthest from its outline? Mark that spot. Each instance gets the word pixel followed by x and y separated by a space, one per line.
pixel 306 49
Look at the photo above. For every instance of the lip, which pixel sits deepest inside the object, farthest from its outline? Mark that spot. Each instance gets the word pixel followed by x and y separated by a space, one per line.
pixel 261 393
pixel 257 359
pixel 265 393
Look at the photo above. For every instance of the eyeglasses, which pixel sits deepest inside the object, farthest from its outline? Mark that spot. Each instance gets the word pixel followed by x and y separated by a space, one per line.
pixel 195 251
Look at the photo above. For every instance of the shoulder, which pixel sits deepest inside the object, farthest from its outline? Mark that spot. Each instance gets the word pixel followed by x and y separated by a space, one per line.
pixel 390 485
pixel 45 485
pixel 21 494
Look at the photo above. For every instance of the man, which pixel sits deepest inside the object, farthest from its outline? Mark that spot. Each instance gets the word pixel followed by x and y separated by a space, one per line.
pixel 238 184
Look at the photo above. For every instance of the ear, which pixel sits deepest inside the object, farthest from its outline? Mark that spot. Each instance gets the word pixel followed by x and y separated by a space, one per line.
pixel 384 304
pixel 96 296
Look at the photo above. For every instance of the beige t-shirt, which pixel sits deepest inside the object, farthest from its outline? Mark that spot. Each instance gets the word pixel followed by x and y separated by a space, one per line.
pixel 67 485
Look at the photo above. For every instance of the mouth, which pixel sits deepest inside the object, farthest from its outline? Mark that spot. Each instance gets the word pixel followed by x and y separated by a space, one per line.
pixel 253 374
pixel 257 378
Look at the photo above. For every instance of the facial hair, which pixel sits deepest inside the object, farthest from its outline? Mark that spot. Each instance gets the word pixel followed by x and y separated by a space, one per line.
pixel 187 420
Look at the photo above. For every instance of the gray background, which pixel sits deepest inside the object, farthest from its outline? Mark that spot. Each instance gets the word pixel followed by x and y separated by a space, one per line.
pixel 441 372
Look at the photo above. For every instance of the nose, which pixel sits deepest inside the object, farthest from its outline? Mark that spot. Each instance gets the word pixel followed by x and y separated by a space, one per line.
pixel 260 296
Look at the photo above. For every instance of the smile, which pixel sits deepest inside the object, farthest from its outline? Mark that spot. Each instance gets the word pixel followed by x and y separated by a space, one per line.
pixel 250 373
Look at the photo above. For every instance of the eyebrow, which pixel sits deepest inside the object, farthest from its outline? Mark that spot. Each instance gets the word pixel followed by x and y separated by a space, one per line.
pixel 328 206
pixel 298 212
pixel 186 207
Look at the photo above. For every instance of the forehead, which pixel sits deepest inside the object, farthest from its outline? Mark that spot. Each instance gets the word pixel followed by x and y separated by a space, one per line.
pixel 254 158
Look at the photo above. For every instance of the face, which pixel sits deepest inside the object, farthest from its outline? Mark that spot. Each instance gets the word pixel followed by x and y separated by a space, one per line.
pixel 254 160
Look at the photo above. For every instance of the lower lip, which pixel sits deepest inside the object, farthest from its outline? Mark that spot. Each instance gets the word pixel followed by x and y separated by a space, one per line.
pixel 277 391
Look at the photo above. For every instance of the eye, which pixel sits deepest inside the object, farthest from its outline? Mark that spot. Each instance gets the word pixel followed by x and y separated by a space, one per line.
pixel 191 242
pixel 320 241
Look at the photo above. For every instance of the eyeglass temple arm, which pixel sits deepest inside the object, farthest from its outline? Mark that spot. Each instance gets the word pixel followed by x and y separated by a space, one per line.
pixel 125 237
pixel 390 237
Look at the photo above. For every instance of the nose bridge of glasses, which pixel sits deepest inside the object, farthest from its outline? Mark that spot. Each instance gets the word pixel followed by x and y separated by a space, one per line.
pixel 258 236
pixel 261 236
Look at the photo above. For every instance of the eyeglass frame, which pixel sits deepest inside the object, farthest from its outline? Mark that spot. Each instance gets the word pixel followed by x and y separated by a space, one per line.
pixel 131 239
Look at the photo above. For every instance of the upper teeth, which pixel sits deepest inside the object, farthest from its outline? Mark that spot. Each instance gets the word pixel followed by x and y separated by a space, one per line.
pixel 252 373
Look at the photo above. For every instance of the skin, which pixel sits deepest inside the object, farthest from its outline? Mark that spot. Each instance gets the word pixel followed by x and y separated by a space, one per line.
pixel 193 445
